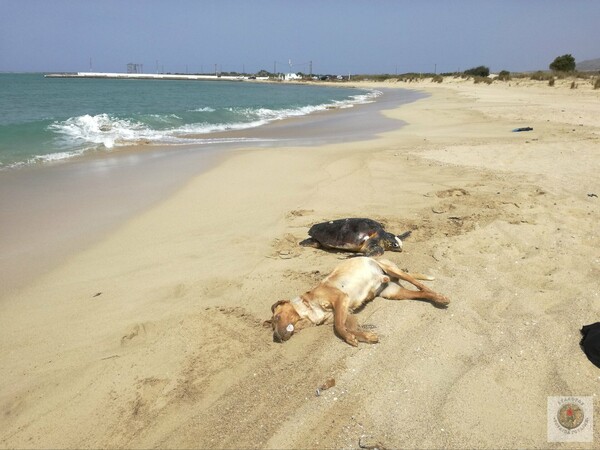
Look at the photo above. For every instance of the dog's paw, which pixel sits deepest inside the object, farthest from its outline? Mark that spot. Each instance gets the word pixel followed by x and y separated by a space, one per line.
pixel 442 300
pixel 370 338
pixel 351 339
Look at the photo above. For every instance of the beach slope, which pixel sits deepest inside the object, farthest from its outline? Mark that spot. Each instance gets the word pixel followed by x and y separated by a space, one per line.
pixel 153 337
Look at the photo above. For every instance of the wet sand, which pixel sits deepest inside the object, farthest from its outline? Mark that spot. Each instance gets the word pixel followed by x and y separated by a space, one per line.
pixel 152 336
pixel 50 212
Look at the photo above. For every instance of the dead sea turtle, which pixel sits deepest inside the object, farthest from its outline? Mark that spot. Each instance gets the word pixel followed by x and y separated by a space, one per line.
pixel 354 235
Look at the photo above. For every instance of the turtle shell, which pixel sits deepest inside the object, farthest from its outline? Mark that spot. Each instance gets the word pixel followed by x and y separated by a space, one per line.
pixel 346 234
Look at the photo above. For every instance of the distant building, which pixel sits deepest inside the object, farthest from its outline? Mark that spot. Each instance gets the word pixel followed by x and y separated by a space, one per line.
pixel 292 77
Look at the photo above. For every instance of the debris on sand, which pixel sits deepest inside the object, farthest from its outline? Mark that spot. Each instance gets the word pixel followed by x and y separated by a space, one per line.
pixel 370 443
pixel 329 383
pixel 516 130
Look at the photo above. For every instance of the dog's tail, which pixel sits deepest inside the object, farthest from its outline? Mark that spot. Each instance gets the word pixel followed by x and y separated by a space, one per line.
pixel 420 276
pixel 392 269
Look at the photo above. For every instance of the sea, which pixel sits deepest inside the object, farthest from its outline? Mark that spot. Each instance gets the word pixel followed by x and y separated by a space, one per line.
pixel 45 120
pixel 79 157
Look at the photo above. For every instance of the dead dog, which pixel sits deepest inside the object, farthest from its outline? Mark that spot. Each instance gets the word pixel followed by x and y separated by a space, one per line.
pixel 350 285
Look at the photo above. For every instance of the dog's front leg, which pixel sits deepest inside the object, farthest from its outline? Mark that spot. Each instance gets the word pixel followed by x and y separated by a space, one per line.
pixel 340 314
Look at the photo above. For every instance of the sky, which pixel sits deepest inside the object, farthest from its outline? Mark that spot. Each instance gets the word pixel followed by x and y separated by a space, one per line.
pixel 337 36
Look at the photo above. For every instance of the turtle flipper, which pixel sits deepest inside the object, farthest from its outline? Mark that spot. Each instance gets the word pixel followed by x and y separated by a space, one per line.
pixel 404 235
pixel 310 242
pixel 372 248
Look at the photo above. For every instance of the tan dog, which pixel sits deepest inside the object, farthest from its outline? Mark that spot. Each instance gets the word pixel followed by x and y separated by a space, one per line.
pixel 351 284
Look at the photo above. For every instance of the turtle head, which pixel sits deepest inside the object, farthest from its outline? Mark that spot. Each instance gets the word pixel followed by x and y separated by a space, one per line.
pixel 393 242
pixel 283 320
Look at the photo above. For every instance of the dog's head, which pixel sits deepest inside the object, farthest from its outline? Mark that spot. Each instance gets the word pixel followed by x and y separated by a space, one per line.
pixel 284 320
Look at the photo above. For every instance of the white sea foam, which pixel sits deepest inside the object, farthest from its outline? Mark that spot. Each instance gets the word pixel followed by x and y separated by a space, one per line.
pixel 103 129
pixel 53 157
pixel 81 133
pixel 204 109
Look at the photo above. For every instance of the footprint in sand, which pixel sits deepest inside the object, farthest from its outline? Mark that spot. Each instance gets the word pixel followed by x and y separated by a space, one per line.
pixel 135 331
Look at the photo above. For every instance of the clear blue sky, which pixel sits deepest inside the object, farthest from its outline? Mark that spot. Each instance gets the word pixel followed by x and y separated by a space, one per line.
pixel 338 36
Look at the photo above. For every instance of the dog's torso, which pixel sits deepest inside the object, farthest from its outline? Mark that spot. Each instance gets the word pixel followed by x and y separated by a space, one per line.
pixel 360 279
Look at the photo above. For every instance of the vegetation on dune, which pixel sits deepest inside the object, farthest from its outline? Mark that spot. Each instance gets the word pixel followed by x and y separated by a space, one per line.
pixel 486 80
pixel 541 76
pixel 563 67
pixel 479 71
pixel 504 75
pixel 564 63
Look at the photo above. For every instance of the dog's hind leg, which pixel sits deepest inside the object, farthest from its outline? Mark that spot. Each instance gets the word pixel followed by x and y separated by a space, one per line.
pixel 391 269
pixel 394 291
pixel 361 335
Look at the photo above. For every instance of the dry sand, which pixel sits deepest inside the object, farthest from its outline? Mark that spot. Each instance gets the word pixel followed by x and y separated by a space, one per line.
pixel 153 338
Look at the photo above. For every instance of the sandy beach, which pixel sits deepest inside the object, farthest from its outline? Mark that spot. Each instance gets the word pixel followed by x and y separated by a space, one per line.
pixel 151 336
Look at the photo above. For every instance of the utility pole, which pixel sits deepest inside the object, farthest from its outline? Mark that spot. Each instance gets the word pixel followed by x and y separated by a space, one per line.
pixel 310 68
pixel 216 70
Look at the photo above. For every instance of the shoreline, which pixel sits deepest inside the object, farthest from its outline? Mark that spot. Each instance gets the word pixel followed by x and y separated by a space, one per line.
pixel 152 336
pixel 51 217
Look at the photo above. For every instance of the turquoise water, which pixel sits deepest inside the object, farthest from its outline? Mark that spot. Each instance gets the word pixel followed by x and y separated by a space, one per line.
pixel 50 119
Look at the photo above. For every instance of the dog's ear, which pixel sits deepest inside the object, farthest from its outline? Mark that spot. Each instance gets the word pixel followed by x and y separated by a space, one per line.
pixel 276 304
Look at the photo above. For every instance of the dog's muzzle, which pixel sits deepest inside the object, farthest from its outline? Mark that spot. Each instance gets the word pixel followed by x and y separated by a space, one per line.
pixel 285 335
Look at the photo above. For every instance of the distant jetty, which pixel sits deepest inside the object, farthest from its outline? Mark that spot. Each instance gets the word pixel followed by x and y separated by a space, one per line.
pixel 149 76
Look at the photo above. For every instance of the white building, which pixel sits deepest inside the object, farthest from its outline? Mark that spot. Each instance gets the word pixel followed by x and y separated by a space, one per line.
pixel 292 77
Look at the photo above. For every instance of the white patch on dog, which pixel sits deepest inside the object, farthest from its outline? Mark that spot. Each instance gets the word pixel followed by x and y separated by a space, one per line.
pixel 290 328
pixel 399 242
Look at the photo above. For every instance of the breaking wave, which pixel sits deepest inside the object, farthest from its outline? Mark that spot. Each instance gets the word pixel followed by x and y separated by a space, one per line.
pixel 110 131
pixel 106 131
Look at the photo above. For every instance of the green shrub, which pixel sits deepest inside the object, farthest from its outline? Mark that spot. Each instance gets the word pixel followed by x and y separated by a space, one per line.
pixel 437 79
pixel 480 71
pixel 551 82
pixel 597 83
pixel 541 76
pixel 564 63
pixel 504 75
pixel 573 85
pixel 478 80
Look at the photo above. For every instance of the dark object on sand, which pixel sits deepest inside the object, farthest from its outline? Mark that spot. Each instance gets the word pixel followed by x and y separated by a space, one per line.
pixel 522 129
pixel 354 235
pixel 590 342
